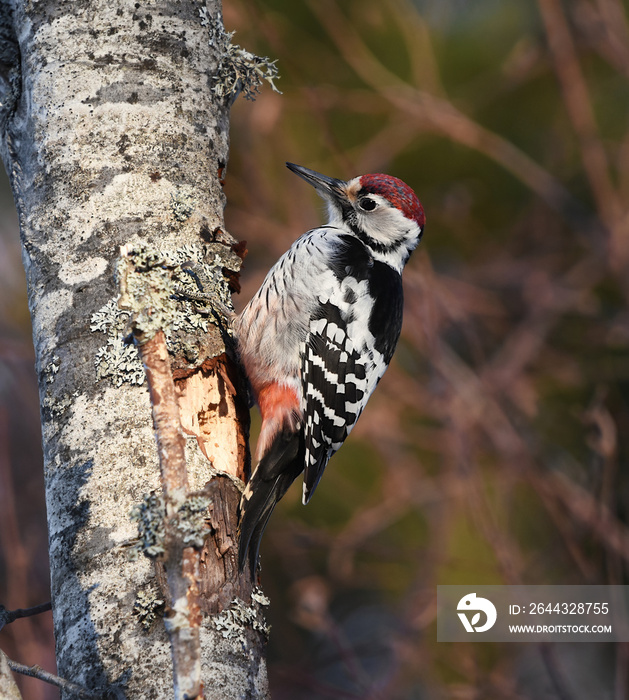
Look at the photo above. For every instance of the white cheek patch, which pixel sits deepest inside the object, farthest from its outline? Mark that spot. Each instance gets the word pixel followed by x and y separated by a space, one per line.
pixel 389 228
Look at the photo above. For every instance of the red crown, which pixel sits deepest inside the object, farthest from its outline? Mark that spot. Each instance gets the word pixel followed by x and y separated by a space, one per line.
pixel 398 193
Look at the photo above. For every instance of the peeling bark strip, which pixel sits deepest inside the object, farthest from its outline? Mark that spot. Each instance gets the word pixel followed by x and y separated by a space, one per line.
pixel 182 619
pixel 170 440
pixel 114 120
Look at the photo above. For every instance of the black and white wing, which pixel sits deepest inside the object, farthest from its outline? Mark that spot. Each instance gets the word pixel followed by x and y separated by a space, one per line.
pixel 346 353
pixel 335 385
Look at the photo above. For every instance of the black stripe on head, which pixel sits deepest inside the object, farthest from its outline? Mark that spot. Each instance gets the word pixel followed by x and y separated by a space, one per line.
pixel 350 218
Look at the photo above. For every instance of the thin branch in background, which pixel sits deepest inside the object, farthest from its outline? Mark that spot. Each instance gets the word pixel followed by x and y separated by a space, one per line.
pixel 416 35
pixel 596 28
pixel 579 106
pixel 585 509
pixel 555 672
pixel 507 553
pixel 622 670
pixel 47 677
pixel 622 166
pixel 614 19
pixel 327 134
pixel 9 616
pixel 565 527
pixel 551 301
pixel 388 143
pixel 349 658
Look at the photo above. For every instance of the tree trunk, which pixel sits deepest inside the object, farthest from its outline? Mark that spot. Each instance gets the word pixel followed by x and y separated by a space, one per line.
pixel 8 688
pixel 115 124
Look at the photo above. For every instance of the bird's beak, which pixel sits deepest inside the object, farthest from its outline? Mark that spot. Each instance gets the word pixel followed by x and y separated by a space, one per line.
pixel 327 187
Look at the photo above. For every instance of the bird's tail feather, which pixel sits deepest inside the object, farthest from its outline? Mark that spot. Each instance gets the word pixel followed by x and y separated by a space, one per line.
pixel 279 467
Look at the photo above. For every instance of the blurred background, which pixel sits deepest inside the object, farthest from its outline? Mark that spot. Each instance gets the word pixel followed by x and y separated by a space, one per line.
pixel 495 448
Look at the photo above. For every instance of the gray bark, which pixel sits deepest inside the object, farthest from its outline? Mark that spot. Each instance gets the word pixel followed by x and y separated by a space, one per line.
pixel 112 134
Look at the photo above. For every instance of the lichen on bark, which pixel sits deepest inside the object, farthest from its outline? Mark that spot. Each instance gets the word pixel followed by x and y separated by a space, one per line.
pixel 176 293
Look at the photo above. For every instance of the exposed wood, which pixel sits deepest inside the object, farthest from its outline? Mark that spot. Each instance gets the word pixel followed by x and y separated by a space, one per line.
pixel 205 398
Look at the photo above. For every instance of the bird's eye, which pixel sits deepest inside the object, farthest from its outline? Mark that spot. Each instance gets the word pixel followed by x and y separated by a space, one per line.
pixel 367 204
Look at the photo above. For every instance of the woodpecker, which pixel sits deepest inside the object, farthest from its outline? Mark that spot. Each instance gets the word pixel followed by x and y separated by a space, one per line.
pixel 319 334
